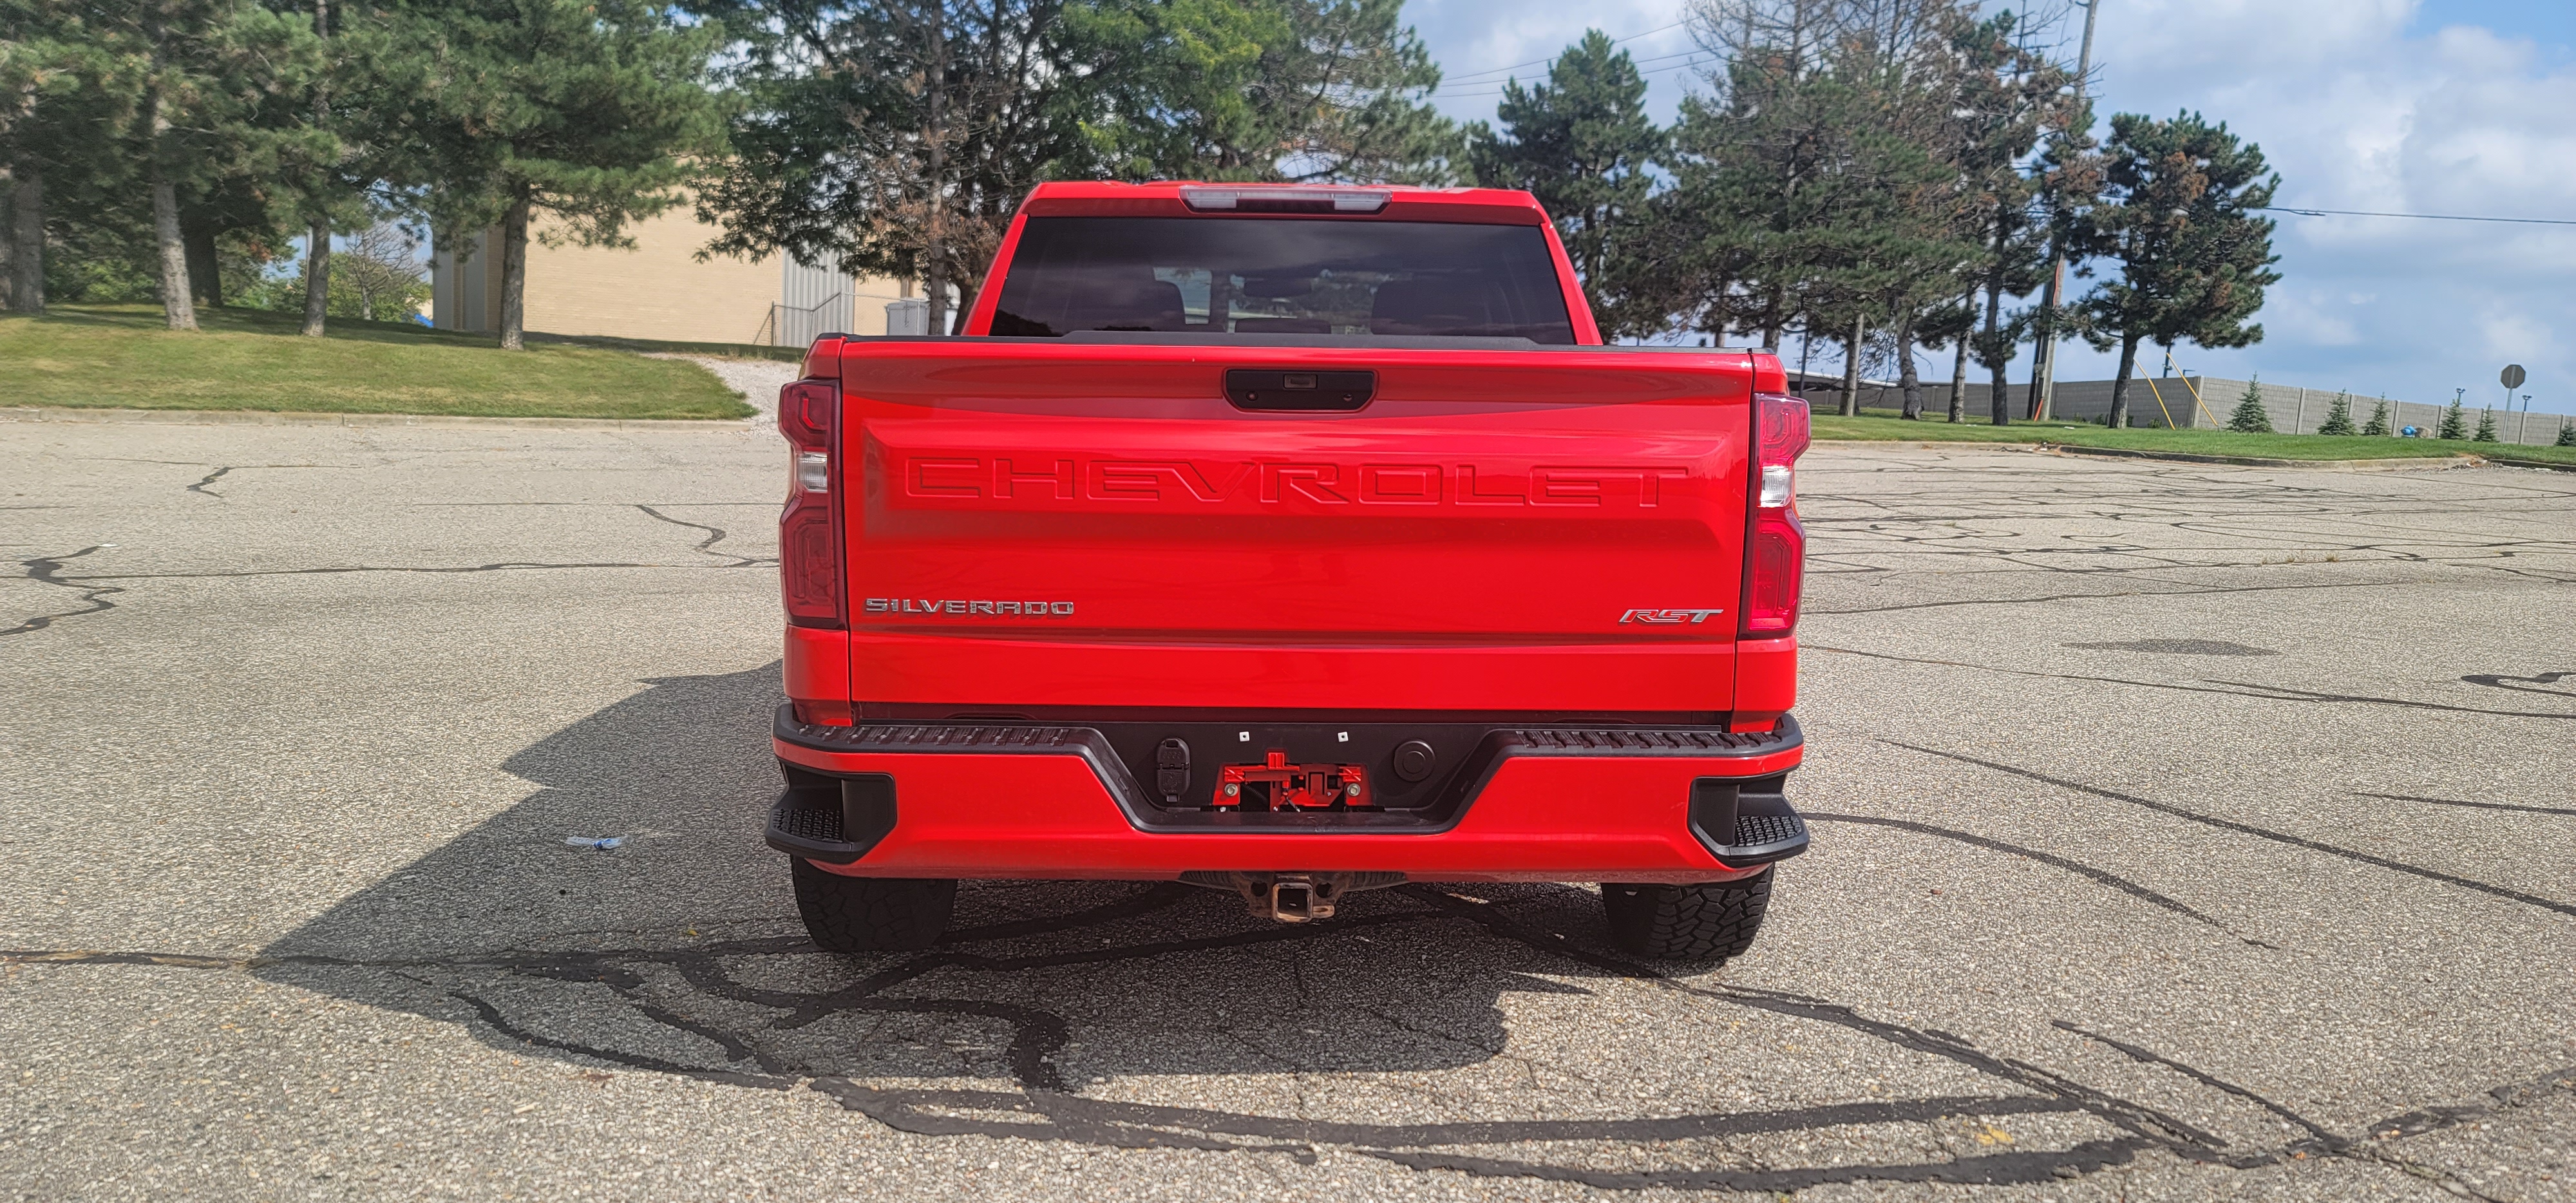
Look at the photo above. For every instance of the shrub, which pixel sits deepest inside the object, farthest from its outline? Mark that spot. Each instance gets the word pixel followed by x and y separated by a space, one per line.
pixel 375 276
pixel 2338 416
pixel 2566 433
pixel 2486 426
pixel 2455 424
pixel 2250 416
pixel 2378 423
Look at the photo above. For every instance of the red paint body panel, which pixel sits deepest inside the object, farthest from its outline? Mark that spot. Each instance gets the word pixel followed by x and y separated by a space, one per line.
pixel 1553 819
pixel 817 663
pixel 1470 540
pixel 1766 682
pixel 1052 524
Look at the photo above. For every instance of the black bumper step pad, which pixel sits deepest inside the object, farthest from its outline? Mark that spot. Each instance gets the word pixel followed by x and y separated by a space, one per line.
pixel 1595 741
pixel 1754 831
pixel 809 824
pixel 1763 829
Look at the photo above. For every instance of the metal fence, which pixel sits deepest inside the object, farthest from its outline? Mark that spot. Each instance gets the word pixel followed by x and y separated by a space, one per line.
pixel 800 325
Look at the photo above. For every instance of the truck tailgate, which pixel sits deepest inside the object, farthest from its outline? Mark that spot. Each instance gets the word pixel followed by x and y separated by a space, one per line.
pixel 1039 524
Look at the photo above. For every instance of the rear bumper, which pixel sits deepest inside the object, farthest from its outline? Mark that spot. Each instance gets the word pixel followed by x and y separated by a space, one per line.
pixel 1029 801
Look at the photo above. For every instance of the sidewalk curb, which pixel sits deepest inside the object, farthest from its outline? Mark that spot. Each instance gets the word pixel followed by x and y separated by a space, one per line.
pixel 2392 464
pixel 2545 465
pixel 2410 463
pixel 266 417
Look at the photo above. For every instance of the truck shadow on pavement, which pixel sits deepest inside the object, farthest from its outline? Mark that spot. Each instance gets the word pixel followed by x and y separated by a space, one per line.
pixel 1138 1015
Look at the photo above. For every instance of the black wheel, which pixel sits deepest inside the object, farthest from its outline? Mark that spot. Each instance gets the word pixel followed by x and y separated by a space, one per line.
pixel 871 914
pixel 1688 923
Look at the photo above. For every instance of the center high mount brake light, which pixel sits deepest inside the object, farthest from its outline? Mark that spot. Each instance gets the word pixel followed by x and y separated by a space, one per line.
pixel 1286 200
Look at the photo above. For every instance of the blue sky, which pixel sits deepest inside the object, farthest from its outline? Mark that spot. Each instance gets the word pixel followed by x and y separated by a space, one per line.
pixel 2429 106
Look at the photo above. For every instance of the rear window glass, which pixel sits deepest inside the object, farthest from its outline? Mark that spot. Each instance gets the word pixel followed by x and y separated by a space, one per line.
pixel 1273 275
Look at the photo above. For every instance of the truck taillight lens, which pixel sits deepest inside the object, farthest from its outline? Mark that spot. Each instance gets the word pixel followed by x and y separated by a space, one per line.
pixel 1775 545
pixel 809 534
pixel 806 410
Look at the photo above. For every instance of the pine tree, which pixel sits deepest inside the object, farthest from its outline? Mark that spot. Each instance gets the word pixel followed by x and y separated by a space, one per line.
pixel 2378 424
pixel 2455 424
pixel 2338 416
pixel 1582 143
pixel 198 79
pixel 2179 219
pixel 2250 416
pixel 2566 433
pixel 2486 426
pixel 591 112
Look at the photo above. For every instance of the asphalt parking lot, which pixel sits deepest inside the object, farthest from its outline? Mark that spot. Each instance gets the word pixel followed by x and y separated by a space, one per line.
pixel 2183 832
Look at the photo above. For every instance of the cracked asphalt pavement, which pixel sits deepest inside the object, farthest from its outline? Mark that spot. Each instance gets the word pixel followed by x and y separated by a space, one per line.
pixel 2183 832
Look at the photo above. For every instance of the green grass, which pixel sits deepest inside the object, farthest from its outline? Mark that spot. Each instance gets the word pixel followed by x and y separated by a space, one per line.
pixel 120 356
pixel 1884 425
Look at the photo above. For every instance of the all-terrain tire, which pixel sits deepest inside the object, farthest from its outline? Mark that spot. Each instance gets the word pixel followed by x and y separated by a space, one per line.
pixel 1688 923
pixel 871 914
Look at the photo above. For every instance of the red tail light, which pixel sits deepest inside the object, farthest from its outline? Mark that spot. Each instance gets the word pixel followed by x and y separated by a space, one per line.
pixel 1775 546
pixel 809 530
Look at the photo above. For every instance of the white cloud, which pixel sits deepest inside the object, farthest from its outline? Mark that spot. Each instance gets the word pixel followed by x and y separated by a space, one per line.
pixel 2360 104
pixel 2512 335
pixel 2311 315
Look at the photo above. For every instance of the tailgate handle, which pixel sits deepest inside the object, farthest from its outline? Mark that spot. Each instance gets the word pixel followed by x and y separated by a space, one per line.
pixel 1269 390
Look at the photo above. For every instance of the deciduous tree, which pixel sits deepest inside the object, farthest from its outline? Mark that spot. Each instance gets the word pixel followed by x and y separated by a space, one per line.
pixel 1310 90
pixel 2009 97
pixel 897 137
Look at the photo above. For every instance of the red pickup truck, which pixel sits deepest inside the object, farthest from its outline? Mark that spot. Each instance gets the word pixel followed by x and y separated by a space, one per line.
pixel 1291 541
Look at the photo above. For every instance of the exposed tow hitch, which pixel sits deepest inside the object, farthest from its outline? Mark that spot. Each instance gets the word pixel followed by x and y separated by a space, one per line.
pixel 1296 900
pixel 1292 897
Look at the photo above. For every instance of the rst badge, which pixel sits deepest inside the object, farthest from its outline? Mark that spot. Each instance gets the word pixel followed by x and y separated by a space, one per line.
pixel 1669 618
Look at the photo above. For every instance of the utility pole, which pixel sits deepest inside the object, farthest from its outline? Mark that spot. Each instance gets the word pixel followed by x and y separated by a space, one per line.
pixel 2043 369
pixel 317 236
pixel 936 274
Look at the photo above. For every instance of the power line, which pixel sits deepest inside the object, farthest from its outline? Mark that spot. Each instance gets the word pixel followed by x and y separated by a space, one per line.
pixel 1495 89
pixel 1478 76
pixel 2526 221
pixel 1657 71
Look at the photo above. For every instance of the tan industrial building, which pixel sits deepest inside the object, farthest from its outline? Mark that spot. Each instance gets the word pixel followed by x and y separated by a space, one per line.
pixel 659 289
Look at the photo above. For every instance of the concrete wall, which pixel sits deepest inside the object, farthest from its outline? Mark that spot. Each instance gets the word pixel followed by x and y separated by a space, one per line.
pixel 657 289
pixel 2196 402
